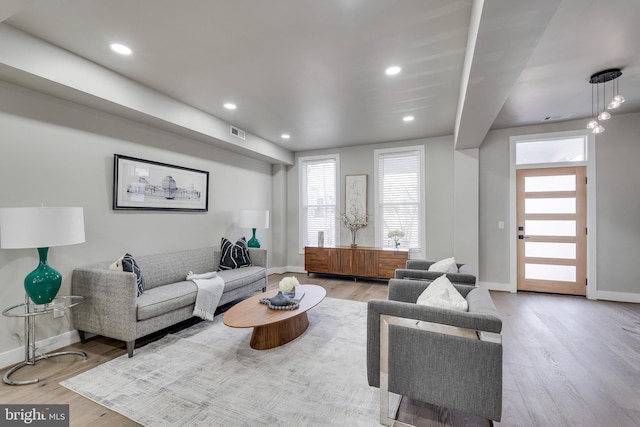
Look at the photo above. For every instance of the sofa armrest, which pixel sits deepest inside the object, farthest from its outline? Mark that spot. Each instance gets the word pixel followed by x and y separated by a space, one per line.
pixel 437 365
pixel 448 369
pixel 408 290
pixel 110 302
pixel 376 308
pixel 409 273
pixel 418 264
pixel 258 257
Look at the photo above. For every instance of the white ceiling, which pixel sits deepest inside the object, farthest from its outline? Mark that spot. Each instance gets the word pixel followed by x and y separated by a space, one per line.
pixel 315 69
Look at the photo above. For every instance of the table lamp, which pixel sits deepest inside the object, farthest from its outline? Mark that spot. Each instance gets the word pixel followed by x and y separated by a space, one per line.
pixel 41 228
pixel 254 219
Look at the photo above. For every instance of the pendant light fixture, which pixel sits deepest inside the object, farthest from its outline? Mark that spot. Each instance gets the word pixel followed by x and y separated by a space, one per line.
pixel 599 112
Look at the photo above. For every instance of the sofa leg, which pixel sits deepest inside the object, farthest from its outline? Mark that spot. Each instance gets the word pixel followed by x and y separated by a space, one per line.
pixel 264 289
pixel 83 338
pixel 130 346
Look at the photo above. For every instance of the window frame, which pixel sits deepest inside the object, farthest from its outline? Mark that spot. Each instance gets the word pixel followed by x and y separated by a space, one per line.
pixel 302 192
pixel 379 220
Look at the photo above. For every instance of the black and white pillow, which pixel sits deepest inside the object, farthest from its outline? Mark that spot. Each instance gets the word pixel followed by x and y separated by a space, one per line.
pixel 234 255
pixel 129 264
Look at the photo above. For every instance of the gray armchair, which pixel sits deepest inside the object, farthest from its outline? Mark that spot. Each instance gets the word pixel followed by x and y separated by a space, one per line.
pixel 418 269
pixel 444 357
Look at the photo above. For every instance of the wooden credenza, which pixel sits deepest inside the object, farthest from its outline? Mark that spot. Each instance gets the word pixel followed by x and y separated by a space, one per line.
pixel 358 262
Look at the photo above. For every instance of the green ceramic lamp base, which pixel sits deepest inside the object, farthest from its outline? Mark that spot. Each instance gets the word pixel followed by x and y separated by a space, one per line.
pixel 253 242
pixel 43 283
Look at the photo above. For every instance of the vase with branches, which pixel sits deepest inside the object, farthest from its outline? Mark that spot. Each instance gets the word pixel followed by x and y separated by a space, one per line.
pixel 354 221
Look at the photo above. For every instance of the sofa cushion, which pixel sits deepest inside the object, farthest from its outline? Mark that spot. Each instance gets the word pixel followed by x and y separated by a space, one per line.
pixel 172 267
pixel 163 299
pixel 441 293
pixel 240 277
pixel 234 255
pixel 129 264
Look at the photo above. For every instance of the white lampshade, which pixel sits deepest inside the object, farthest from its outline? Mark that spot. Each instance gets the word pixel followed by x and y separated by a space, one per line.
pixel 40 227
pixel 254 219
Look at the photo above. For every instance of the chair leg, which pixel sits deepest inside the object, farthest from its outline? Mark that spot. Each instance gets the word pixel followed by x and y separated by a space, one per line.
pixel 130 346
pixel 83 338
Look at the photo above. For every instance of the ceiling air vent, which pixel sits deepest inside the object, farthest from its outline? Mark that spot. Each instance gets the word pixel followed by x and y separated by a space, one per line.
pixel 236 132
pixel 556 117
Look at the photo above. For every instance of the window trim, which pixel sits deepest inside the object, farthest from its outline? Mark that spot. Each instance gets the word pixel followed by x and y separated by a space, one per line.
pixel 379 228
pixel 301 189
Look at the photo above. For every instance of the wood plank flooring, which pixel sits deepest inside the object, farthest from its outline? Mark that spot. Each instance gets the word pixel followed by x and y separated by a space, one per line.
pixel 568 361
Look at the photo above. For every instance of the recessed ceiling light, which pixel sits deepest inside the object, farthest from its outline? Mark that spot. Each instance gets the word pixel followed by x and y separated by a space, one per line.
pixel 408 118
pixel 285 136
pixel 121 49
pixel 392 71
pixel 230 106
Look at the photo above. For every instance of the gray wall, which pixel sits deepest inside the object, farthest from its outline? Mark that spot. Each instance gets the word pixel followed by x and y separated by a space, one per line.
pixel 617 208
pixel 56 153
pixel 439 182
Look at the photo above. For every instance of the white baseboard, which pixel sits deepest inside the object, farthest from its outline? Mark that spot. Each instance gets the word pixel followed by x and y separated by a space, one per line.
pixel 494 286
pixel 296 269
pixel 618 296
pixel 12 357
pixel 599 295
pixel 276 270
pixel 286 269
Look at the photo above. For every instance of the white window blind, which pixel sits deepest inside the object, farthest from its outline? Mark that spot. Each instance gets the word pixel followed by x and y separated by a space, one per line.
pixel 318 198
pixel 399 196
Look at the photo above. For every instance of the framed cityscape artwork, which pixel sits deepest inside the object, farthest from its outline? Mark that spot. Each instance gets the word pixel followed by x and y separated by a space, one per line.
pixel 147 185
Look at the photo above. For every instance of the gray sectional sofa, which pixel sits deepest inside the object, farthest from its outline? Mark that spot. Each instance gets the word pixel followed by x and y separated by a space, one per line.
pixel 112 308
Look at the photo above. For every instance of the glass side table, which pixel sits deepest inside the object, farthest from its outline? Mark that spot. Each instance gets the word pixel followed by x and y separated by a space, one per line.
pixel 29 311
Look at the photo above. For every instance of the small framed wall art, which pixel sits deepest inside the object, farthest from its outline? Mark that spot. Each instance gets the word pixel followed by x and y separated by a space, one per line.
pixel 147 185
pixel 356 196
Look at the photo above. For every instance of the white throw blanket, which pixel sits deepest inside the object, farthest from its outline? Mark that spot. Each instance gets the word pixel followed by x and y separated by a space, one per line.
pixel 210 288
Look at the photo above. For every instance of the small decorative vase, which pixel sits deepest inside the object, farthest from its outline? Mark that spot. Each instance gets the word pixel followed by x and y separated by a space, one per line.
pixel 290 293
pixel 280 300
pixel 354 235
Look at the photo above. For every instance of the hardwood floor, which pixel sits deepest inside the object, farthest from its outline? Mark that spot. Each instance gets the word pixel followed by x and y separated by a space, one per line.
pixel 568 361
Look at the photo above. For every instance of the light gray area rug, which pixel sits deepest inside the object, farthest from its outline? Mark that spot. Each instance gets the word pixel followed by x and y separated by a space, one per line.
pixel 208 375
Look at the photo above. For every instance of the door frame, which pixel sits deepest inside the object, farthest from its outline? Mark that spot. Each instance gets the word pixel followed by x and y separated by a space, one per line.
pixel 591 202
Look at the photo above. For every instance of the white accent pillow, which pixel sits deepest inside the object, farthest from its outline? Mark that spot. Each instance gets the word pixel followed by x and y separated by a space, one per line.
pixel 441 293
pixel 447 265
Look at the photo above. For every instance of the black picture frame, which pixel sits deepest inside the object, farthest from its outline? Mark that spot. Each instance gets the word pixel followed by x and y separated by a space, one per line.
pixel 140 184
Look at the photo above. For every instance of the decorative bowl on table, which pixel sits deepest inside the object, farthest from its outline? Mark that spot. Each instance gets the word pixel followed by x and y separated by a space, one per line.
pixel 280 302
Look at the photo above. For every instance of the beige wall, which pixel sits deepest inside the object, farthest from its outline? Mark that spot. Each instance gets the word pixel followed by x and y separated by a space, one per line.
pixel 56 153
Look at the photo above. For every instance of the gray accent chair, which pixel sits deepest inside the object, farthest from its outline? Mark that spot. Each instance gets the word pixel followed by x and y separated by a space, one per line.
pixel 111 308
pixel 418 269
pixel 443 357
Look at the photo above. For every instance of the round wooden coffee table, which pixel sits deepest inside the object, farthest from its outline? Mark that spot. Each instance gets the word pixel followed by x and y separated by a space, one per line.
pixel 273 328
